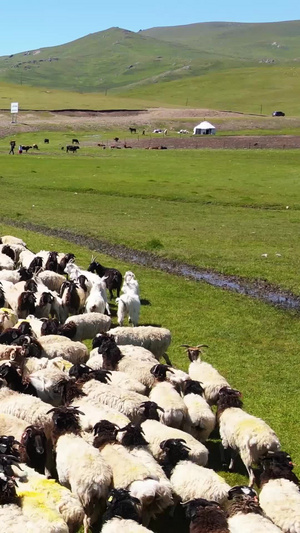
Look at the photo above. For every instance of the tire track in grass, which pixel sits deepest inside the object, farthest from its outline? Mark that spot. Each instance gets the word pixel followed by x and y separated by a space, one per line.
pixel 258 289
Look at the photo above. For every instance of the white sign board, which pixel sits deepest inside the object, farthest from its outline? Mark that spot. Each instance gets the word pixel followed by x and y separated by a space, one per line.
pixel 14 107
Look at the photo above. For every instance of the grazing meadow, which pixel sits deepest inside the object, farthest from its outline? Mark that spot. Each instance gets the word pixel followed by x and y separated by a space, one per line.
pixel 213 209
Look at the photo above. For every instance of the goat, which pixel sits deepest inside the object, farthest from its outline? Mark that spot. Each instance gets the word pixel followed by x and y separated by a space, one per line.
pixel 113 277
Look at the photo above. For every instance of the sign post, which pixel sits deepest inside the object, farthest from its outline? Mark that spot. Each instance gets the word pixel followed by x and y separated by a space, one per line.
pixel 14 109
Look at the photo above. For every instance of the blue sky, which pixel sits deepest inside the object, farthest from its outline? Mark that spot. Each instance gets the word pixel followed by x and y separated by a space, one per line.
pixel 41 23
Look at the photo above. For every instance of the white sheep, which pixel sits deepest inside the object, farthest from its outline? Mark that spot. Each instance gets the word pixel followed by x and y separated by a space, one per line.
pixel 164 394
pixel 280 497
pixel 133 474
pixel 26 407
pixel 125 401
pixel 155 432
pixel 156 340
pixel 51 280
pixel 189 480
pixel 10 239
pixel 75 352
pixel 79 465
pixel 137 365
pixel 6 263
pixel 242 433
pixel 93 412
pixel 209 377
pixel 200 420
pixel 89 324
pixel 58 497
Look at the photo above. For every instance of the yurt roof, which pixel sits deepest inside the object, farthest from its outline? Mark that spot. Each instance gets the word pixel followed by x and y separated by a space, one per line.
pixel 205 125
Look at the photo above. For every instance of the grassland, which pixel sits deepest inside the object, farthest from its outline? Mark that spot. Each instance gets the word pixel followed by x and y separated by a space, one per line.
pixel 214 209
pixel 253 345
pixel 254 89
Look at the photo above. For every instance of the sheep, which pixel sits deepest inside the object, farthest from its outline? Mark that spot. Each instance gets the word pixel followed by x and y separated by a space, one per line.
pixel 25 407
pixel 79 465
pixel 279 495
pixel 22 303
pixel 245 434
pixel 208 376
pixel 245 513
pixel 174 409
pixel 121 513
pixel 15 275
pixel 129 472
pixel 58 497
pixel 32 364
pixel 92 412
pixel 206 517
pixel 37 509
pixel 11 425
pixel 6 263
pixel 10 239
pixel 117 379
pixel 89 324
pixel 200 420
pixel 48 384
pixel 11 517
pixel 156 340
pixel 25 258
pixel 155 432
pixel 132 437
pixel 52 280
pixel 75 352
pixel 189 480
pixel 9 251
pixel 125 401
pixel 129 305
pixel 111 358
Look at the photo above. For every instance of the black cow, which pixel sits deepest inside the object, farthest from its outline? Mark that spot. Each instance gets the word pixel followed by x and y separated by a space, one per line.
pixel 26 148
pixel 46 141
pixel 71 148
pixel 75 141
pixel 132 130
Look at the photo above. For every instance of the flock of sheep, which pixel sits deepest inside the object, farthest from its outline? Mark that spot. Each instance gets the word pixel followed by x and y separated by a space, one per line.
pixel 110 438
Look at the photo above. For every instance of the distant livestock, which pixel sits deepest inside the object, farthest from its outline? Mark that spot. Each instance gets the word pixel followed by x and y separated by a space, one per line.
pixel 132 130
pixel 46 141
pixel 185 132
pixel 75 141
pixel 35 146
pixel 26 148
pixel 71 148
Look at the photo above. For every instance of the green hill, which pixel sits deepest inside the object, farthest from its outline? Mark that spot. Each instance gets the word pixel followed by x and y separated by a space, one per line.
pixel 104 60
pixel 278 41
pixel 219 64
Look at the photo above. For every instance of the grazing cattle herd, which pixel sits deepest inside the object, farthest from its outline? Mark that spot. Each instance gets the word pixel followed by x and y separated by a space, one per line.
pixel 110 438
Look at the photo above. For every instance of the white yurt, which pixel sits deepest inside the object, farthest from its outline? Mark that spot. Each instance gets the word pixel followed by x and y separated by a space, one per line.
pixel 204 128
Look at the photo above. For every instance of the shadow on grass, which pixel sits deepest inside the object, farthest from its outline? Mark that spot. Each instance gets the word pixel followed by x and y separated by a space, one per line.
pixel 215 460
pixel 145 302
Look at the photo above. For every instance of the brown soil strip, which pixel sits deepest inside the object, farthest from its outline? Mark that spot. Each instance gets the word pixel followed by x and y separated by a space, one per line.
pixel 258 289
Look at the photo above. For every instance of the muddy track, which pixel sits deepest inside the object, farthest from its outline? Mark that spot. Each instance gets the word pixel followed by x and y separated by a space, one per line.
pixel 259 289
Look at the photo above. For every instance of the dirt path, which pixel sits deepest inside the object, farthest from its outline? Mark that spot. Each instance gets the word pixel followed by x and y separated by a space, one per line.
pixel 258 289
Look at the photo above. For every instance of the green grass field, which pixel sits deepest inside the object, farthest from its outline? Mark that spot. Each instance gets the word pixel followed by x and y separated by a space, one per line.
pixel 213 209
